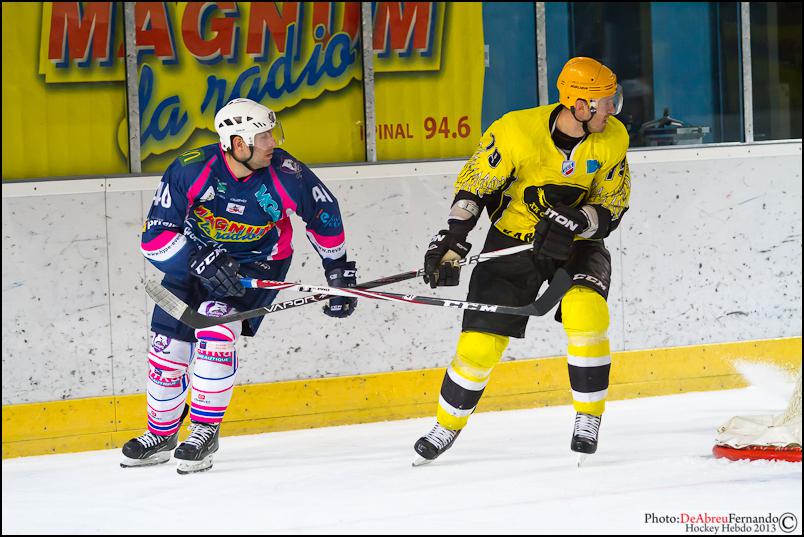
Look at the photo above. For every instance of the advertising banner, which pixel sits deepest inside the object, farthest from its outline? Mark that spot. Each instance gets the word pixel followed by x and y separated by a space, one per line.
pixel 64 87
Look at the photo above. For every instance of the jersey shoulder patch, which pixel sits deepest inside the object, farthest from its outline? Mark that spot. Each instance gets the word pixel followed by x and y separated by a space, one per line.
pixel 191 157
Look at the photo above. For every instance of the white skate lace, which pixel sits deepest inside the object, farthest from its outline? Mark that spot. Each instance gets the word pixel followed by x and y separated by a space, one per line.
pixel 149 439
pixel 440 437
pixel 200 434
pixel 587 425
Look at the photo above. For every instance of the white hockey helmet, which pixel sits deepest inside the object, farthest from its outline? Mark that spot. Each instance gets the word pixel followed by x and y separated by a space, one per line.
pixel 246 118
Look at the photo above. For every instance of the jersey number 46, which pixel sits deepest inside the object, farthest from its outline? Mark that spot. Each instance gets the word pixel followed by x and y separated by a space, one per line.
pixel 162 196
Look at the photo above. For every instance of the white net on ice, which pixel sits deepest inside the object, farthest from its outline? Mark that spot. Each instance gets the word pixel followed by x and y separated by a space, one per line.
pixel 783 430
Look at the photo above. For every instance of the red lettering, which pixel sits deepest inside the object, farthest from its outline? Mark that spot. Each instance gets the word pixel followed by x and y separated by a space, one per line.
pixel 82 29
pixel 152 30
pixel 399 22
pixel 267 14
pixel 322 16
pixel 209 49
pixel 351 19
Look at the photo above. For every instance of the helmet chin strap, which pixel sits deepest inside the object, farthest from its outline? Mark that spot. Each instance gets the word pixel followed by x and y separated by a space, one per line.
pixel 245 162
pixel 585 124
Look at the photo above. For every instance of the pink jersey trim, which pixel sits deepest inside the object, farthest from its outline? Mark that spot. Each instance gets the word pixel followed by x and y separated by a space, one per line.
pixel 159 241
pixel 284 245
pixel 327 241
pixel 287 201
pixel 198 184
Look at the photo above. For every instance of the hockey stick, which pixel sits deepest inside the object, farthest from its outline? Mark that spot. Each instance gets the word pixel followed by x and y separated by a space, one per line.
pixel 396 278
pixel 559 285
pixel 175 307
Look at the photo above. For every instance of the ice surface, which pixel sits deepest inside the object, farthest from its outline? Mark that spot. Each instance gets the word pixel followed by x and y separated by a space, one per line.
pixel 509 472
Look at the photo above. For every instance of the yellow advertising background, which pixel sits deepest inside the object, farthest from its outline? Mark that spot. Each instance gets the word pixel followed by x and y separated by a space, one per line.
pixel 55 129
pixel 72 122
pixel 455 91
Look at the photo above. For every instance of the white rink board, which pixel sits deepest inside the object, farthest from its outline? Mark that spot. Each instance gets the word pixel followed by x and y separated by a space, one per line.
pixel 710 252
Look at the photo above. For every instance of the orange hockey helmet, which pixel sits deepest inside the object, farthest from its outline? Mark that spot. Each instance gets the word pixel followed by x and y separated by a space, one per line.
pixel 588 79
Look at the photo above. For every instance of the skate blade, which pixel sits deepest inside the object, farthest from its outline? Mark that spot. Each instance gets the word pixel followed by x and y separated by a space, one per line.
pixel 421 461
pixel 153 460
pixel 193 467
pixel 581 458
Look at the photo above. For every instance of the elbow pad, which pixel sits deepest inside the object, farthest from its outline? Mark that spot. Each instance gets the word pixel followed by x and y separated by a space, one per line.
pixel 599 222
pixel 465 213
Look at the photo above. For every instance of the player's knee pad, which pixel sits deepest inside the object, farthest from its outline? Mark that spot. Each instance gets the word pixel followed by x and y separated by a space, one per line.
pixel 584 311
pixel 467 376
pixel 168 360
pixel 215 352
pixel 478 352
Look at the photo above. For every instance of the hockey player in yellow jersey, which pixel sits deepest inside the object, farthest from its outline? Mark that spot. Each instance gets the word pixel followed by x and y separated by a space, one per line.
pixel 556 176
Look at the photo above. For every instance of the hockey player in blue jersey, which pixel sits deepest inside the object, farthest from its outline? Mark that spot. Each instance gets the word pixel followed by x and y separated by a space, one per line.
pixel 222 211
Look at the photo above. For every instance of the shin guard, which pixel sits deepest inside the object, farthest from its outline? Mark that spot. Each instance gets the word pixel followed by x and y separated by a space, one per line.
pixel 585 316
pixel 215 366
pixel 167 383
pixel 467 377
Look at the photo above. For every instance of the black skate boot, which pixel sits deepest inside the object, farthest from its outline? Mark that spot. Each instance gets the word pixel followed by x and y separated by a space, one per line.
pixel 148 449
pixel 584 435
pixel 195 454
pixel 433 444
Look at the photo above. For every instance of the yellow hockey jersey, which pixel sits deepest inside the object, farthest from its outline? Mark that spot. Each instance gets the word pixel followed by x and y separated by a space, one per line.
pixel 521 171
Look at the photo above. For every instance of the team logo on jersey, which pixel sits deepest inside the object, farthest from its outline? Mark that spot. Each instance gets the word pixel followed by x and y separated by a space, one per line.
pixel 193 155
pixel 592 166
pixel 208 195
pixel 235 208
pixel 495 158
pixel 221 187
pixel 290 165
pixel 539 199
pixel 267 202
pixel 567 168
pixel 221 229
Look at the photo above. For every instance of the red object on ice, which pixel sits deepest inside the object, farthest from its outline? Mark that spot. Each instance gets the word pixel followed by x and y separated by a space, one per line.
pixel 758 453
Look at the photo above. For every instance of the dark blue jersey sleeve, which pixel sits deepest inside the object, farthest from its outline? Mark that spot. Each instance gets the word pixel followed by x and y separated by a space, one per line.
pixel 319 209
pixel 163 242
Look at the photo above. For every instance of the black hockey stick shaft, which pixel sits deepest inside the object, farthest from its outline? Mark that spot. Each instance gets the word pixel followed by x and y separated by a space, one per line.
pixel 178 309
pixel 559 285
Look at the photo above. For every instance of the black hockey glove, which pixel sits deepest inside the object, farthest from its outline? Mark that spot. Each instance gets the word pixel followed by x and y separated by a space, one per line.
pixel 345 276
pixel 217 272
pixel 445 246
pixel 556 230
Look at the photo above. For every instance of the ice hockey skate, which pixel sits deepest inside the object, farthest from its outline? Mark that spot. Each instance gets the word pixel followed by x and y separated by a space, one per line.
pixel 584 435
pixel 148 449
pixel 433 444
pixel 195 454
